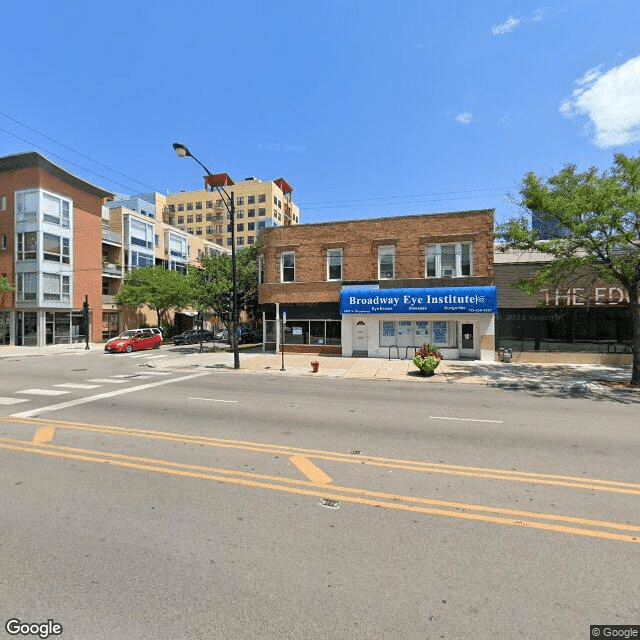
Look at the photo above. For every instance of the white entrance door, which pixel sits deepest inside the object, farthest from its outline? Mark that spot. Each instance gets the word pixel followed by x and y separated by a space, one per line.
pixel 360 342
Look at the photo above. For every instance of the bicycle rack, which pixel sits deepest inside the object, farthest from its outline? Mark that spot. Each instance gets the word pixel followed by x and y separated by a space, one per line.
pixel 406 353
pixel 394 346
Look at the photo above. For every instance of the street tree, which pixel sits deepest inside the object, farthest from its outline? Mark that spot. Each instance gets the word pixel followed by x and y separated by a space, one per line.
pixel 212 284
pixel 158 288
pixel 598 219
pixel 5 288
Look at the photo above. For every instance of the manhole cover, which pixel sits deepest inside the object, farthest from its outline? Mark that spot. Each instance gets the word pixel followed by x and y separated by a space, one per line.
pixel 330 504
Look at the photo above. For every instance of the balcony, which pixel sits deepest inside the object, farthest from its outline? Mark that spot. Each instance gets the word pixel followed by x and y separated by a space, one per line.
pixel 111 237
pixel 111 270
pixel 109 303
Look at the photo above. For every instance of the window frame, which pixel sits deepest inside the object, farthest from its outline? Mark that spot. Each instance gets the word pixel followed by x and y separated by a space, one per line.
pixel 283 256
pixel 433 260
pixel 336 252
pixel 384 250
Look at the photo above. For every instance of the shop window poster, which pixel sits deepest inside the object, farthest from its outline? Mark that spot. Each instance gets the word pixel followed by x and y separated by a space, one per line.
pixel 439 332
pixel 389 329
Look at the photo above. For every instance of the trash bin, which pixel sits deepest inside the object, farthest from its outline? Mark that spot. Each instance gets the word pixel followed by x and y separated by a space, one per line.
pixel 506 356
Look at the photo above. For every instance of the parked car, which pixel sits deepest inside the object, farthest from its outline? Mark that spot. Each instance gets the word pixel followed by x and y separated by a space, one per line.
pixel 134 340
pixel 245 334
pixel 193 336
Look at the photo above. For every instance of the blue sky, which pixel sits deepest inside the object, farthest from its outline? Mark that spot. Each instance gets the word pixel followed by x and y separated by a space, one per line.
pixel 366 107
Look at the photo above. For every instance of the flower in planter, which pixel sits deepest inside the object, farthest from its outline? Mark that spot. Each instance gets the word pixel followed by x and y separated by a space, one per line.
pixel 426 364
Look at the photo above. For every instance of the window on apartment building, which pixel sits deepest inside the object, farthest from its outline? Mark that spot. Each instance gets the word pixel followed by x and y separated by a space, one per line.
pixel 288 266
pixel 209 204
pixel 218 229
pixel 239 241
pixel 26 204
pixel 3 203
pixel 26 286
pixel 386 262
pixel 219 202
pixel 262 211
pixel 3 241
pixel 239 200
pixel 190 230
pixel 171 208
pixel 251 213
pixel 240 213
pixel 198 205
pixel 55 209
pixel 199 217
pixel 260 269
pixel 240 226
pixel 209 230
pixel 275 200
pixel 251 199
pixel 180 207
pixel 209 217
pixel 334 264
pixel 55 248
pixel 180 219
pixel 219 240
pixel 189 206
pixel 448 260
pixel 229 228
pixel 228 242
pixel 53 287
pixel 198 231
pixel 156 240
pixel 250 239
pixel 279 216
pixel 27 246
pixel 189 219
pixel 251 226
pixel 262 197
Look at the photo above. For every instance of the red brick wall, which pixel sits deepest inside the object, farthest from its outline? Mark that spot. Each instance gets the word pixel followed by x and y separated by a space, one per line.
pixel 87 235
pixel 359 241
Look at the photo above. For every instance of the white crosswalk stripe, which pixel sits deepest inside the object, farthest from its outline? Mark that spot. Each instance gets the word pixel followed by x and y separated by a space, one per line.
pixel 76 385
pixel 12 400
pixel 42 392
pixel 106 381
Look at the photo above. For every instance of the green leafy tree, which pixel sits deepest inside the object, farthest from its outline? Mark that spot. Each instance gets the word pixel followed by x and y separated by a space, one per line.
pixel 5 287
pixel 158 288
pixel 600 212
pixel 212 286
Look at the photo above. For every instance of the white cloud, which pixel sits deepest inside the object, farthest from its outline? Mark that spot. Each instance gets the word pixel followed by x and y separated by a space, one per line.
pixel 506 27
pixel 465 117
pixel 512 23
pixel 611 101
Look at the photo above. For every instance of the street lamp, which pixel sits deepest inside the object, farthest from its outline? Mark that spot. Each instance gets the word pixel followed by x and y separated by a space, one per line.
pixel 229 203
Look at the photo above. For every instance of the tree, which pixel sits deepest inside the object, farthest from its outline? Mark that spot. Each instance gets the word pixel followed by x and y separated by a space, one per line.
pixel 5 287
pixel 158 288
pixel 212 286
pixel 600 213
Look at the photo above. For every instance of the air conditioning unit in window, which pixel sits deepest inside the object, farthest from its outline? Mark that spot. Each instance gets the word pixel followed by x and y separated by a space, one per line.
pixel 447 273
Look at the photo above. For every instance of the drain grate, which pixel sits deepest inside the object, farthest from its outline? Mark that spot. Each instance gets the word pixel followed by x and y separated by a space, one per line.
pixel 330 504
pixel 355 452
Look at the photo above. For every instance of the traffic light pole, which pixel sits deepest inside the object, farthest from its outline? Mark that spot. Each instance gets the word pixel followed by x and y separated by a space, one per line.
pixel 234 285
pixel 85 313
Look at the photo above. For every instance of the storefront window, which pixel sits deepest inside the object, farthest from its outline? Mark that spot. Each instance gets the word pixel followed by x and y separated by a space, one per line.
pixel 387 333
pixel 296 332
pixel 440 333
pixel 404 333
pixel 316 332
pixel 333 330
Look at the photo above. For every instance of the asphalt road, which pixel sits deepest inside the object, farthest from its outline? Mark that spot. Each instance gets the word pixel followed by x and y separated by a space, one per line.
pixel 147 504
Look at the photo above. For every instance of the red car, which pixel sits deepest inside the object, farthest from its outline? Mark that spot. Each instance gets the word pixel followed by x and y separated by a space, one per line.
pixel 134 340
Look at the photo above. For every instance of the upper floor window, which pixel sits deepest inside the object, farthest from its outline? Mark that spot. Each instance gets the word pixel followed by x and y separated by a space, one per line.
pixel 448 260
pixel 262 211
pixel 251 213
pixel 27 246
pixel 180 219
pixel 3 203
pixel 251 199
pixel 198 231
pixel 386 263
pixel 55 209
pixel 55 287
pixel 240 227
pixel 209 204
pixel 239 200
pixel 3 241
pixel 240 213
pixel 189 219
pixel 199 217
pixel 251 226
pixel 189 206
pixel 180 207
pixel 288 266
pixel 26 286
pixel 250 239
pixel 240 241
pixel 262 197
pixel 334 264
pixel 55 248
pixel 198 205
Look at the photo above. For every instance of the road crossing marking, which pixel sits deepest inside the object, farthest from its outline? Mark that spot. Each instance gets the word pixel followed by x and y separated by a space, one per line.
pixel 42 392
pixel 77 385
pixel 212 400
pixel 12 400
pixel 464 419
pixel 106 381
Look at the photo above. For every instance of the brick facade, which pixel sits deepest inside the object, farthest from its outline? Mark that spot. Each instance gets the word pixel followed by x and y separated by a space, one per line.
pixel 359 241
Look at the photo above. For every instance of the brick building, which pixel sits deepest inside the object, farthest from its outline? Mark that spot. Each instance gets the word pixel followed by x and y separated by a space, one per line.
pixel 50 251
pixel 380 286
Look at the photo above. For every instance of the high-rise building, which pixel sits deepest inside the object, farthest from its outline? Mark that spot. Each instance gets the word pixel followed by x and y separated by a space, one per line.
pixel 259 204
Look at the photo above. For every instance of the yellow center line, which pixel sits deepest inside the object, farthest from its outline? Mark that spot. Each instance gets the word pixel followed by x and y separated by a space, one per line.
pixel 346 494
pixel 593 484
pixel 306 467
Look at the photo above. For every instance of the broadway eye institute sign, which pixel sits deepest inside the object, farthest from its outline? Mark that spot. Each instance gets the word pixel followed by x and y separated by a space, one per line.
pixel 441 300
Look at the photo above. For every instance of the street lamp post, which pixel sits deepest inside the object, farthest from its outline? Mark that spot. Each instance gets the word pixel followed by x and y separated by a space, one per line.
pixel 229 203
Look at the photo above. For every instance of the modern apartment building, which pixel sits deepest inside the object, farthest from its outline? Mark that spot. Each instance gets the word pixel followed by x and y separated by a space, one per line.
pixel 50 247
pixel 381 287
pixel 259 205
pixel 62 238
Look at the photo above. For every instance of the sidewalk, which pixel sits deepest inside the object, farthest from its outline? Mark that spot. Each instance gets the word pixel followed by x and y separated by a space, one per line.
pixel 546 379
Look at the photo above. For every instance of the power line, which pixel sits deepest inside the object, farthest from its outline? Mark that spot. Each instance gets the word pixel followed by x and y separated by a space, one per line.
pixel 124 175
